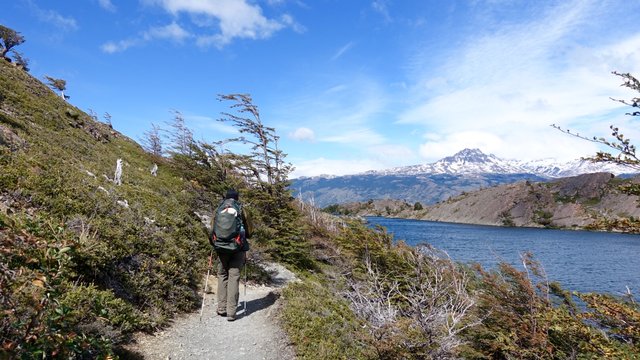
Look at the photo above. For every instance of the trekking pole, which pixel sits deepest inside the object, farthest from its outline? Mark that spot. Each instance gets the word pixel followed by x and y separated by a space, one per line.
pixel 206 282
pixel 245 283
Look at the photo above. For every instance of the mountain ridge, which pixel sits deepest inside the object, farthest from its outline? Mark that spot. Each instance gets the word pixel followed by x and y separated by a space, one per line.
pixel 467 170
pixel 474 161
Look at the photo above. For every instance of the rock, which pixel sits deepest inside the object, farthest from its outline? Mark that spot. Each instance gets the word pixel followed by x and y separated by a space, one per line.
pixel 11 140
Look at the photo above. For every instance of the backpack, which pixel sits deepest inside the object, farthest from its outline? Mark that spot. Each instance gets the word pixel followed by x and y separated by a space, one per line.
pixel 227 225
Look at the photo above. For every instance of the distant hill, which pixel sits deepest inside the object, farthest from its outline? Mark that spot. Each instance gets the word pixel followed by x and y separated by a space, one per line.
pixel 467 170
pixel 427 188
pixel 589 201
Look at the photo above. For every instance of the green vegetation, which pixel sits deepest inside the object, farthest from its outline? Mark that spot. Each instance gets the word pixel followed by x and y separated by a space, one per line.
pixel 565 199
pixel 321 324
pixel 371 208
pixel 507 219
pixel 86 262
pixel 415 303
pixel 591 201
pixel 543 217
pixel 336 210
pixel 9 38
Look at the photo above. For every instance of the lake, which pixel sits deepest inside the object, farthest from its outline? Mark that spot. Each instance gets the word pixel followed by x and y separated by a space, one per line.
pixel 579 260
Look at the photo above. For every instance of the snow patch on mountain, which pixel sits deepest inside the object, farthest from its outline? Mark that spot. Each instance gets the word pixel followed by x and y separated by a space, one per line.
pixel 474 161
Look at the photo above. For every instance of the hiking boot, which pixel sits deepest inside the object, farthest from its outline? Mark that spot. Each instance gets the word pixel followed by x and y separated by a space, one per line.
pixel 221 313
pixel 231 318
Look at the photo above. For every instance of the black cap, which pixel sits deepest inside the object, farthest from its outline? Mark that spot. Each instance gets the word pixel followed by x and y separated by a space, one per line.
pixel 232 194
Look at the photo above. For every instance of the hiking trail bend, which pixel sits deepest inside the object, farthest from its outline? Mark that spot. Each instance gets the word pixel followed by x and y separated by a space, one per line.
pixel 255 334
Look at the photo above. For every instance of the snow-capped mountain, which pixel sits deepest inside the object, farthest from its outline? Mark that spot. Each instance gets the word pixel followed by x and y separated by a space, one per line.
pixel 468 170
pixel 474 161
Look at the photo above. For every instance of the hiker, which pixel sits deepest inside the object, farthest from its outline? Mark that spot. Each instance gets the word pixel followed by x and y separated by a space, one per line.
pixel 230 231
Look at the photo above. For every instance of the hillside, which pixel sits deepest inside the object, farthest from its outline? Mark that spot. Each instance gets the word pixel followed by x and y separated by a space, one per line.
pixel 584 201
pixel 590 201
pixel 109 258
pixel 89 257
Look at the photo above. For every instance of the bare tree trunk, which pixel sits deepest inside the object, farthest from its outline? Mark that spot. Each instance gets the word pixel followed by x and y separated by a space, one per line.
pixel 118 175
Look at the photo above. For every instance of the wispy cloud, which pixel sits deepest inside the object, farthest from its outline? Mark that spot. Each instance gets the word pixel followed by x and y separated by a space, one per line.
pixel 172 32
pixel 209 123
pixel 387 155
pixel 342 50
pixel 231 19
pixel 107 5
pixel 360 136
pixel 53 17
pixel 380 6
pixel 503 89
pixel 333 167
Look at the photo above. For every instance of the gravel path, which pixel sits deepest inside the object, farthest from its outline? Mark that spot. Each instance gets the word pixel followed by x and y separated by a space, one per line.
pixel 255 333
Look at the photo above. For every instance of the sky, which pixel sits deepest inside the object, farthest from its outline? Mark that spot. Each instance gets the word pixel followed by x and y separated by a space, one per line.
pixel 349 85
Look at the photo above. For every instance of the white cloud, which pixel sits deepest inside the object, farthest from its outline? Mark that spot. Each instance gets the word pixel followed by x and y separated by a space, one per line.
pixel 112 47
pixel 302 134
pixel 171 32
pixel 53 17
pixel 231 18
pixel 107 5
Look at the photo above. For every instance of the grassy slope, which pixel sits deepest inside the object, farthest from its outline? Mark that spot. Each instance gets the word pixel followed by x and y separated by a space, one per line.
pixel 68 247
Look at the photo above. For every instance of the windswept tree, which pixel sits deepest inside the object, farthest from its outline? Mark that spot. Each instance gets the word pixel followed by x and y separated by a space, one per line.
pixel 92 114
pixel 181 136
pixel 266 155
pixel 9 38
pixel 265 173
pixel 152 140
pixel 57 84
pixel 20 60
pixel 107 119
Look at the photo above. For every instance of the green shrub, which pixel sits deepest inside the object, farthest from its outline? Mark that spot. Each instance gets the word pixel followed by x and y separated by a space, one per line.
pixel 521 321
pixel 321 325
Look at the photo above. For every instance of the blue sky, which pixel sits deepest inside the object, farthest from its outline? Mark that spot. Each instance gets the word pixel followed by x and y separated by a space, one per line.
pixel 349 85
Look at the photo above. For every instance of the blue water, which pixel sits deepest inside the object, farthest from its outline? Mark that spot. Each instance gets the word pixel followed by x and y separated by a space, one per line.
pixel 580 260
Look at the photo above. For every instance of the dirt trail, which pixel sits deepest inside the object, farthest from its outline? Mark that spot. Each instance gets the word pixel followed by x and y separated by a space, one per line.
pixel 255 333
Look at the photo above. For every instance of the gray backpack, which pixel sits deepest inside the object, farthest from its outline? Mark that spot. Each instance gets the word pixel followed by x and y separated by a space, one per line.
pixel 227 227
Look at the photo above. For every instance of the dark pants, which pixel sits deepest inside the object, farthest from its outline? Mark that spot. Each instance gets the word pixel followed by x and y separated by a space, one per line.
pixel 229 281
